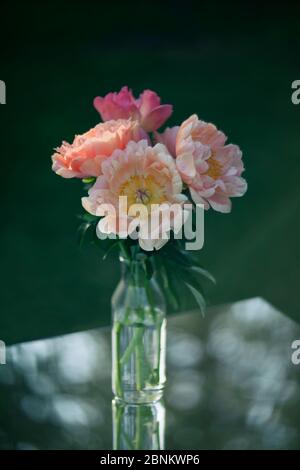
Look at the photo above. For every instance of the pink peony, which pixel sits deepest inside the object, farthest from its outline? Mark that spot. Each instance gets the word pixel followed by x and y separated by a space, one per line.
pixel 211 169
pixel 83 158
pixel 147 108
pixel 143 175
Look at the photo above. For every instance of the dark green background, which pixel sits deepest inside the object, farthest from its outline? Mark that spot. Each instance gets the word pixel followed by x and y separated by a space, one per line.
pixel 233 64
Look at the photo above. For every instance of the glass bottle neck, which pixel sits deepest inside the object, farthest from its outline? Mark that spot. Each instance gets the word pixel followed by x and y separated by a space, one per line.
pixel 136 291
pixel 133 272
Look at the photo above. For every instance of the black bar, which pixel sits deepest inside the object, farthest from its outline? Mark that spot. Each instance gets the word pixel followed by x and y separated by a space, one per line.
pixel 131 459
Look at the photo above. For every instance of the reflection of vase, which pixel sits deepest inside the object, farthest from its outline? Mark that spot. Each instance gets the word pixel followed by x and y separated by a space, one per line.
pixel 138 427
pixel 138 336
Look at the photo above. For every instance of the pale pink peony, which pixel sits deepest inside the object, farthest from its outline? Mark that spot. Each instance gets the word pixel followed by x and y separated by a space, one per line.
pixel 83 158
pixel 147 108
pixel 211 169
pixel 142 175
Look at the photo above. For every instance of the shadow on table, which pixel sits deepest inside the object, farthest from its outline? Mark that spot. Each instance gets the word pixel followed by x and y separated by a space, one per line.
pixel 231 385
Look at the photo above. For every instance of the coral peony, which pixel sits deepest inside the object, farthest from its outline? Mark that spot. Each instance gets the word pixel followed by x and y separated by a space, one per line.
pixel 211 169
pixel 83 158
pixel 146 176
pixel 147 108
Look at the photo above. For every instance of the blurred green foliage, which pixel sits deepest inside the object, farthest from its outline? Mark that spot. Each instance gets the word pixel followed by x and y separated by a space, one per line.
pixel 233 64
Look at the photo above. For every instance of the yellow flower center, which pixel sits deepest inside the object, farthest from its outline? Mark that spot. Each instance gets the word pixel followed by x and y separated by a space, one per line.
pixel 215 168
pixel 142 190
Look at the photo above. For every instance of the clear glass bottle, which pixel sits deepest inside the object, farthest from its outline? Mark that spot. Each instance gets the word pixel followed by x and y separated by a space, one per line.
pixel 138 336
pixel 138 427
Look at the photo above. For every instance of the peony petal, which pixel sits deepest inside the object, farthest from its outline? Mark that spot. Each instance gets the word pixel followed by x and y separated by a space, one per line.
pixel 220 203
pixel 168 138
pixel 186 165
pixel 119 105
pixel 83 158
pixel 148 101
pixel 157 117
pixel 138 160
pixel 198 199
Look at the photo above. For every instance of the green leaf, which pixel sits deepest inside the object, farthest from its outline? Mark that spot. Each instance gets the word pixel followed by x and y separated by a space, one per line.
pixel 171 292
pixel 163 277
pixel 187 275
pixel 89 180
pixel 110 249
pixel 82 231
pixel 203 272
pixel 86 217
pixel 102 245
pixel 135 252
pixel 123 250
pixel 149 268
pixel 198 297
pixel 179 258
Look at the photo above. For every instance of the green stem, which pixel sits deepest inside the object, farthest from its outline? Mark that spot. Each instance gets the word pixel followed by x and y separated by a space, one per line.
pixel 131 346
pixel 118 330
pixel 138 280
pixel 138 361
pixel 128 441
pixel 158 327
pixel 118 423
pixel 150 299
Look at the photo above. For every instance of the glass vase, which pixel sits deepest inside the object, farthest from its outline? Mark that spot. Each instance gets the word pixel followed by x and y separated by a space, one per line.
pixel 138 336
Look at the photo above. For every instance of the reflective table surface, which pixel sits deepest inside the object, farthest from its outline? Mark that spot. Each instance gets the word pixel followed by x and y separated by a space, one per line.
pixel 232 384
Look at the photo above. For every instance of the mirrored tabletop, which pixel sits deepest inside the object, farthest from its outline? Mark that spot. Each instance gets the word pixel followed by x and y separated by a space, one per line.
pixel 233 383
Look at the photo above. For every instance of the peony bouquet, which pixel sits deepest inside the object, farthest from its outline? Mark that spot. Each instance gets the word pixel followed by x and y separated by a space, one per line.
pixel 146 192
